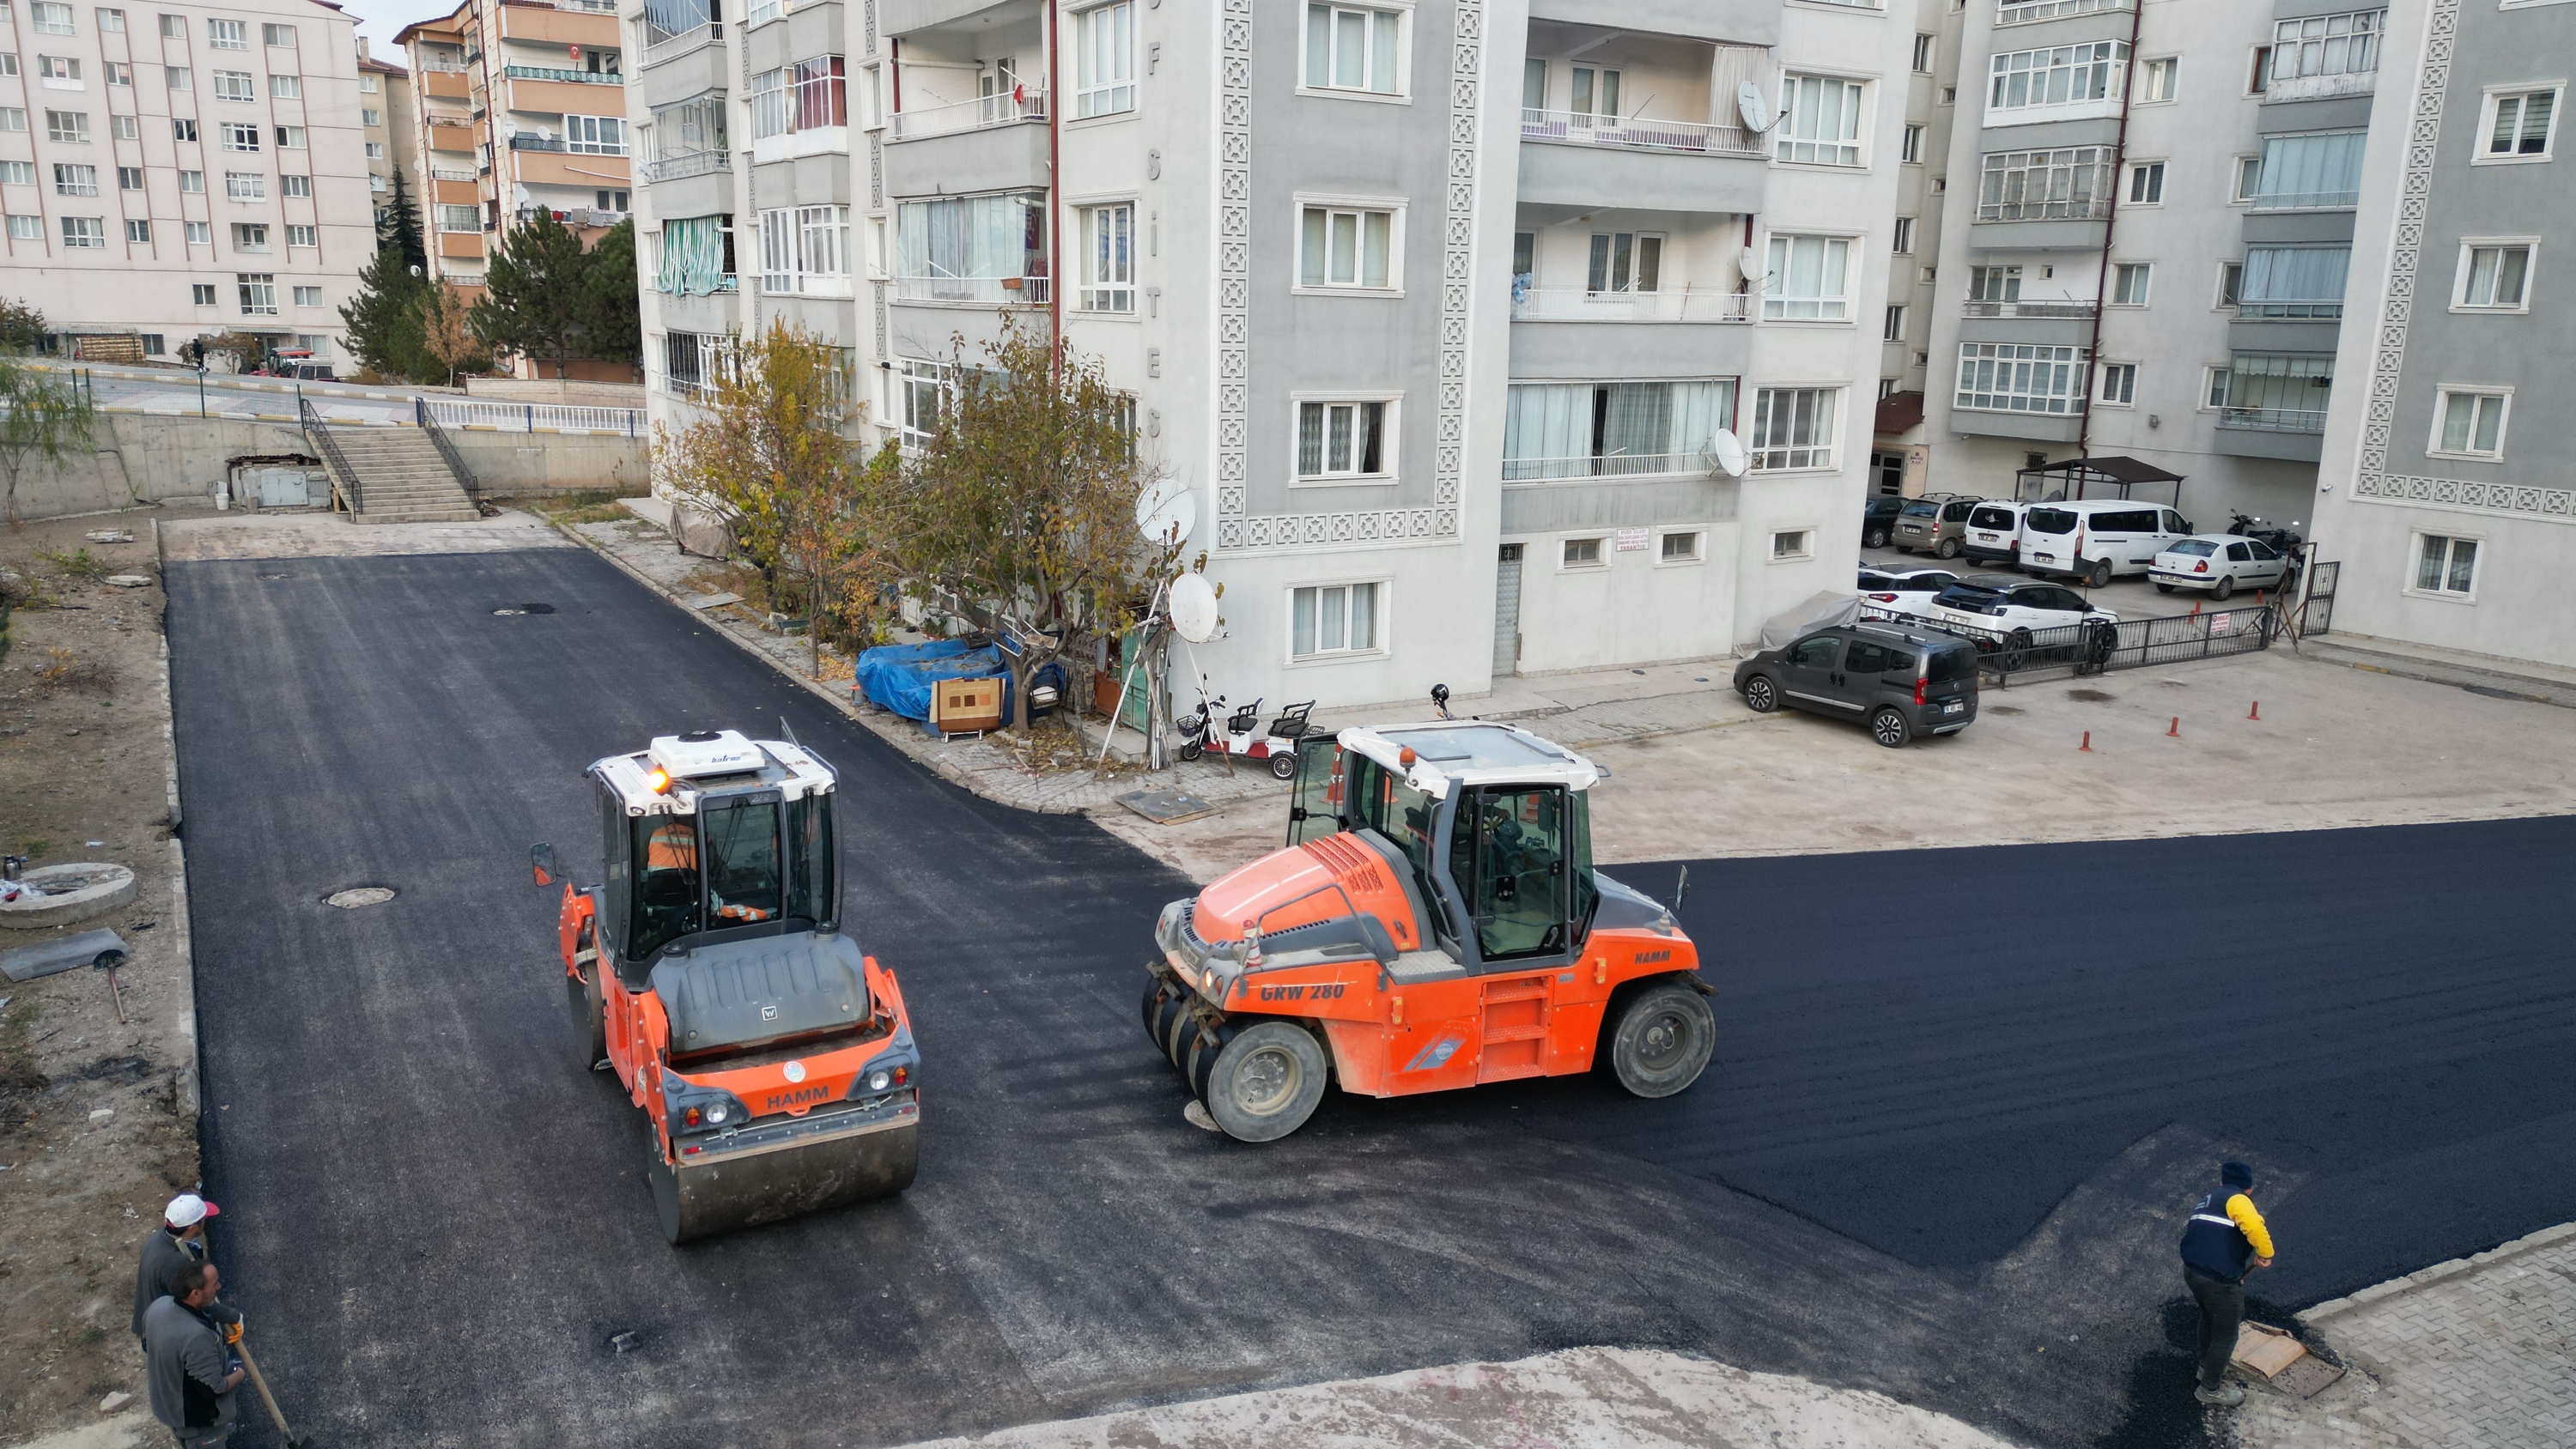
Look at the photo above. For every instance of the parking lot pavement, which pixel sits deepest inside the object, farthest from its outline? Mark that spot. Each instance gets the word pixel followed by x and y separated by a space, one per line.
pixel 2130 598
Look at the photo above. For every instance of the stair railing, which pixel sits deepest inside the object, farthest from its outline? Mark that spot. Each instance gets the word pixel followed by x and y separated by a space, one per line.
pixel 344 479
pixel 446 447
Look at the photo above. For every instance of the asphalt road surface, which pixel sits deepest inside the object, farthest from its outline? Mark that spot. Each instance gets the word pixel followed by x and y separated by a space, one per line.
pixel 1961 1102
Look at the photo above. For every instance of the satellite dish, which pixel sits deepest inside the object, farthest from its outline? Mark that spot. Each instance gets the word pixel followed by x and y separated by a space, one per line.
pixel 1757 113
pixel 1729 452
pixel 1193 606
pixel 1166 514
pixel 1748 263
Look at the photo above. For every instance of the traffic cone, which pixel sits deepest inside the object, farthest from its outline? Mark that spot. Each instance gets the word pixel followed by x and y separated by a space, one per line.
pixel 2087 746
pixel 2174 731
pixel 2256 712
pixel 2195 606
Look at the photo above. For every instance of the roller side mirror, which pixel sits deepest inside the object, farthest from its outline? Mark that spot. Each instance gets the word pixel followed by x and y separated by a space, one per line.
pixel 541 860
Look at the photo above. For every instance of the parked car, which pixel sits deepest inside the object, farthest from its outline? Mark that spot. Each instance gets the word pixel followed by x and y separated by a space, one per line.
pixel 2096 540
pixel 1903 683
pixel 1933 523
pixel 1878 519
pixel 1903 591
pixel 1993 532
pixel 2219 562
pixel 2010 610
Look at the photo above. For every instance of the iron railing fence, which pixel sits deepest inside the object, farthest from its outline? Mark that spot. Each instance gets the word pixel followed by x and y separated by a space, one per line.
pixel 344 479
pixel 2009 656
pixel 428 420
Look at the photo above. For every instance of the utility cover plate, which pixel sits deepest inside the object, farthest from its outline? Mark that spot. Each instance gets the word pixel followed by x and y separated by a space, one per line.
pixel 2267 1351
pixel 2306 1378
pixel 1166 807
pixel 26 963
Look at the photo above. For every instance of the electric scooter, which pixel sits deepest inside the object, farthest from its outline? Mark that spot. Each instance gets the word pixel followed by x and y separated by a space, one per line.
pixel 1212 732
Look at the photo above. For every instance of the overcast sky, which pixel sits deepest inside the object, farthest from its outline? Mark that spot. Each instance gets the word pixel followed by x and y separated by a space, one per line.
pixel 381 20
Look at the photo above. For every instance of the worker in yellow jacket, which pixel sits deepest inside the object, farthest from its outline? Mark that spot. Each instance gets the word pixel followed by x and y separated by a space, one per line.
pixel 2224 1240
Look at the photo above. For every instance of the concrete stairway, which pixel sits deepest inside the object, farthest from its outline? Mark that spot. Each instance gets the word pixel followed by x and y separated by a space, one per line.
pixel 402 478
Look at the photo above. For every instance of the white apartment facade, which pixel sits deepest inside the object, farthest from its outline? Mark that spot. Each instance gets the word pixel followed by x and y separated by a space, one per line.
pixel 1438 308
pixel 170 171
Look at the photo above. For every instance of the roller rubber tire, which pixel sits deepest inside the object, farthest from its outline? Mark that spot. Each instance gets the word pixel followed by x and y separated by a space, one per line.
pixel 1760 695
pixel 1661 1041
pixel 1889 728
pixel 589 1021
pixel 1266 1082
pixel 2225 587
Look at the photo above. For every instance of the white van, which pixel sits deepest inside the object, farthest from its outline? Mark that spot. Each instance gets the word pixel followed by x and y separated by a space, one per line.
pixel 2097 539
pixel 1994 531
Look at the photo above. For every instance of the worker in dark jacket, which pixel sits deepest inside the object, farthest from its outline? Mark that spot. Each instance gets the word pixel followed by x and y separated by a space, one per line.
pixel 180 1239
pixel 189 1370
pixel 2224 1239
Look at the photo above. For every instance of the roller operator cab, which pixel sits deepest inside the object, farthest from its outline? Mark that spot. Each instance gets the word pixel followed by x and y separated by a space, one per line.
pixel 772 1058
pixel 1435 922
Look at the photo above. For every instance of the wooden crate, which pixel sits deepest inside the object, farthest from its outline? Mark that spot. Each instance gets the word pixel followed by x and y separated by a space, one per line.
pixel 966 706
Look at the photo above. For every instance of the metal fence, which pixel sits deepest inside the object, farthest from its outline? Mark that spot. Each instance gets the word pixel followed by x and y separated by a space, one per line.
pixel 2098 647
pixel 509 417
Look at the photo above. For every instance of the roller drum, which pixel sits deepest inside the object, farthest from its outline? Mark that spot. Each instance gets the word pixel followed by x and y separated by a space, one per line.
pixel 703 1199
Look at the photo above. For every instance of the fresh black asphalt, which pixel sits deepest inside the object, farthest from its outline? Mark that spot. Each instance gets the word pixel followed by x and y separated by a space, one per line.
pixel 1960 1102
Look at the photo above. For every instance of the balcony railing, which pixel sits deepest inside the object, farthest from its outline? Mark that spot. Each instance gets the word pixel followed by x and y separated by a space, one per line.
pixel 2307 200
pixel 692 163
pixel 1577 128
pixel 683 42
pixel 2274 311
pixel 2022 12
pixel 2274 420
pixel 2093 210
pixel 1577 304
pixel 1611 465
pixel 991 291
pixel 441 173
pixel 2075 310
pixel 974 115
pixel 567 77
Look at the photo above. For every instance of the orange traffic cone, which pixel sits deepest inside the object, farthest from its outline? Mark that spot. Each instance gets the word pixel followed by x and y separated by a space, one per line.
pixel 2174 731
pixel 2087 746
pixel 2256 712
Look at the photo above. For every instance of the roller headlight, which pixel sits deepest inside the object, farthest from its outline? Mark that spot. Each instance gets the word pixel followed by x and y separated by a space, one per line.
pixel 717 1114
pixel 878 1081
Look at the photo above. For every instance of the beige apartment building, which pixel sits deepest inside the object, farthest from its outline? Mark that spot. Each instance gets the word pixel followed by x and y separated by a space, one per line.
pixel 170 171
pixel 390 119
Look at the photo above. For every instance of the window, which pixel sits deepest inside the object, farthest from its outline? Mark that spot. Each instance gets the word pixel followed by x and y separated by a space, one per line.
pixel 2446 565
pixel 1923 53
pixel 183 130
pixel 2292 282
pixel 800 246
pixel 250 236
pixel 83 233
pixel 111 21
pixel 71 180
pixel 177 77
pixel 258 293
pixel 1333 619
pixel 1104 60
pixel 1820 121
pixel 1793 543
pixel 2070 183
pixel 2261 80
pixel 125 128
pixel 1794 427
pixel 174 27
pixel 1349 49
pixel 17 173
pixel 367 83
pixel 1592 95
pixel 807 96
pixel 280 36
pixel 193 182
pixel 2274 393
pixel 1580 553
pixel 459 216
pixel 1344 440
pixel 1625 262
pixel 1109 258
pixel 2249 178
pixel 2346 44
pixel 2129 283
pixel 1904 244
pixel 1892 329
pixel 2147 183
pixel 368 117
pixel 119 73
pixel 2156 79
pixel 375 150
pixel 228 34
pixel 2119 383
pixel 2061 75
pixel 59 72
pixel 13 118
pixel 2496 277
pixel 298 186
pixel 308 296
pixel 51 19
pixel 2231 283
pixel 245 186
pixel 317 343
pixel 303 236
pixel 1949 95
pixel 1809 281
pixel 603 200
pixel 129 178
pixel 972 249
pixel 595 135
pixel 26 228
pixel 1679 547
pixel 8 63
pixel 238 136
pixel 286 87
pixel 202 234
pixel 67 126
pixel 234 85
pixel 1555 430
pixel 2321 170
pixel 1912 149
pixel 2519 124
pixel 2470 424
pixel 2008 377
pixel 290 138
pixel 1346 247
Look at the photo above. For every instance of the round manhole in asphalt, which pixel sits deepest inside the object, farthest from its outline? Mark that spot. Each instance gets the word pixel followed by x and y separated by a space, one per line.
pixel 272 578
pixel 512 611
pixel 356 896
pixel 536 608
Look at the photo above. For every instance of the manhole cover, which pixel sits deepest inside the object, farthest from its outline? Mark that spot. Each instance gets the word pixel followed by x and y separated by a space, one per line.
pixel 356 896
pixel 2089 696
pixel 508 613
pixel 2003 709
pixel 536 608
pixel 272 578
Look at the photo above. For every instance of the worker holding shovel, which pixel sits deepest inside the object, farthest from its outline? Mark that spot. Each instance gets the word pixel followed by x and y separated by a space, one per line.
pixel 190 1374
pixel 2225 1239
pixel 180 1240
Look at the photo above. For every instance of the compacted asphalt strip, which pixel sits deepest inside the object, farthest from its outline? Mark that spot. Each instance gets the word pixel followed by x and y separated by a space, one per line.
pixel 1960 1101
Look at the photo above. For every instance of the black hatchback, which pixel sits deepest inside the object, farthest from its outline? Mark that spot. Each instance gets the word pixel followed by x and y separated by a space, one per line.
pixel 1900 682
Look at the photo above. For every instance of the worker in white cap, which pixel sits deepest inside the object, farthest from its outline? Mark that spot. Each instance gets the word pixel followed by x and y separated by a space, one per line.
pixel 181 1238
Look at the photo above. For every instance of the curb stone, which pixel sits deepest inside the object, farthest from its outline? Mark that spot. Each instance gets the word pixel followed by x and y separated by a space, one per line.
pixel 2426 1277
pixel 192 1074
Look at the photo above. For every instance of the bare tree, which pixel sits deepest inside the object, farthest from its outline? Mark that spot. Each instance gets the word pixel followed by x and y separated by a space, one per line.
pixel 42 416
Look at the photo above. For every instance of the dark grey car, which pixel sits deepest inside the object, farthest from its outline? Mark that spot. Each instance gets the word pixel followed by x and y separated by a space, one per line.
pixel 1900 682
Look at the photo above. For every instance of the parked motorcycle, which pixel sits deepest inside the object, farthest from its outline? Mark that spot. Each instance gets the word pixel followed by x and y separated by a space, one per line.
pixel 1212 731
pixel 2284 541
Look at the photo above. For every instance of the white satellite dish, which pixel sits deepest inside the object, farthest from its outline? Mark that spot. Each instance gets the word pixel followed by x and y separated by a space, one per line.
pixel 1729 452
pixel 1756 111
pixel 1748 264
pixel 1166 514
pixel 1193 606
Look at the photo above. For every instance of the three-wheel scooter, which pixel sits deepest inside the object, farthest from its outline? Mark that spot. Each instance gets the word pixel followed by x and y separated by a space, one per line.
pixel 1238 736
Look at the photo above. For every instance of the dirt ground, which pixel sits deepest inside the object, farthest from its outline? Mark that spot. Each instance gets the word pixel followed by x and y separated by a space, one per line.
pixel 84 757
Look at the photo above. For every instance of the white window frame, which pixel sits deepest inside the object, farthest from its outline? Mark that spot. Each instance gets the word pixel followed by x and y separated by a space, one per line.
pixel 589 135
pixel 1632 282
pixel 291 138
pixel 250 236
pixel 1910 147
pixel 2470 246
pixel 1892 325
pixel 286 87
pixel 1851 149
pixel 201 234
pixel 2107 60
pixel 1926 47
pixel 245 186
pixel 1566 563
pixel 1800 541
pixel 236 85
pixel 803 250
pixel 2442 395
pixel 59 72
pixel 138 232
pixel 1380 621
pixel 1901 243
pixel 2158 78
pixel 303 234
pixel 1822 449
pixel 1831 307
pixel 85 233
pixel 228 35
pixel 2415 551
pixel 1401 10
pixel 25 227
pixel 308 296
pixel 1358 207
pixel 1390 439
pixel 297 187
pixel 2065 402
pixel 250 287
pixel 229 135
pixel 2153 175
pixel 277 37
pixel 1105 288
pixel 2519 92
pixel 1696 558
pixel 454 217
pixel 1116 93
pixel 2125 395
pixel 42 18
pixel 2145 272
pixel 2247 179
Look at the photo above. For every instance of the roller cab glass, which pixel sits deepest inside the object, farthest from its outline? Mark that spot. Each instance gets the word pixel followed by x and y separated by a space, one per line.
pixel 742 861
pixel 666 882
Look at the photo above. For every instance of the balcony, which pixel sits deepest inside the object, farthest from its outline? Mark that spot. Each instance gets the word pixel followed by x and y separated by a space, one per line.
pixel 1577 304
pixel 691 163
pixel 2294 435
pixel 547 24
pixel 1609 465
pixel 1004 156
pixel 442 173
pixel 2024 12
pixel 1682 165
pixel 2077 311
pixel 1694 138
pixel 974 291
pixel 444 84
pixel 2274 420
pixel 452 138
pixel 981 113
pixel 525 142
pixel 671 45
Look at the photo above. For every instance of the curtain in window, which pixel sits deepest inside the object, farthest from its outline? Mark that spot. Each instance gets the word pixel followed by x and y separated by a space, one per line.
pixel 692 256
pixel 2319 170
pixel 2294 281
pixel 666 18
pixel 1547 430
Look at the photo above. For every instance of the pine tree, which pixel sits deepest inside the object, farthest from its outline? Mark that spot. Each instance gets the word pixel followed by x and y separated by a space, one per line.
pixel 534 297
pixel 384 332
pixel 400 228
pixel 612 321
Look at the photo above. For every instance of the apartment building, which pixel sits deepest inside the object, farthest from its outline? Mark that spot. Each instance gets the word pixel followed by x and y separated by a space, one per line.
pixel 388 121
pixel 2444 492
pixel 521 108
pixel 174 171
pixel 1439 308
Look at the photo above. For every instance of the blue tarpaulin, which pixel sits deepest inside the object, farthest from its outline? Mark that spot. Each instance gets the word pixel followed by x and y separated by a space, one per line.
pixel 899 676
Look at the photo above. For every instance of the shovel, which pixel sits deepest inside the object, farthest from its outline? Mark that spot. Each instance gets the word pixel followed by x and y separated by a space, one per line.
pixel 251 1366
pixel 108 961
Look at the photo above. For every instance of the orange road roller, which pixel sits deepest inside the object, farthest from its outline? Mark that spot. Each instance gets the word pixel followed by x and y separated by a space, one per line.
pixel 771 1057
pixel 1434 922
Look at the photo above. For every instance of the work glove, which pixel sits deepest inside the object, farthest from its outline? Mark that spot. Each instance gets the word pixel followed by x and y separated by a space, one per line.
pixel 232 1332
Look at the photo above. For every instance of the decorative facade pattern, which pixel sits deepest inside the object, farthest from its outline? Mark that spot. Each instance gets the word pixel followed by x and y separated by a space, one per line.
pixel 1234 273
